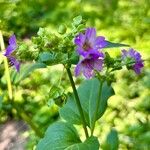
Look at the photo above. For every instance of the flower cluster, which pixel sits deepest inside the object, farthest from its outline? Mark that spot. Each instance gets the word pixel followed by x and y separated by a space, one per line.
pixel 89 47
pixel 9 51
pixel 135 58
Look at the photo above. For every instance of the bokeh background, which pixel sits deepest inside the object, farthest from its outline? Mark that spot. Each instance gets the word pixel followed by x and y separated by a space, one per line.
pixel 128 111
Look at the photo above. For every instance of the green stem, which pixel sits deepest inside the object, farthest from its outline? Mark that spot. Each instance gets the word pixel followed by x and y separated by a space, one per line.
pixel 77 102
pixel 97 107
pixel 7 74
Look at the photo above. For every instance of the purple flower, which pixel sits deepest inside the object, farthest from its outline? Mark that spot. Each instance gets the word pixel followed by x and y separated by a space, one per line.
pixel 89 64
pixel 9 50
pixel 135 56
pixel 88 43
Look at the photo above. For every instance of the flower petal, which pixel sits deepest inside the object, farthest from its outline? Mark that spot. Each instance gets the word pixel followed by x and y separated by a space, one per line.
pixel 98 64
pixel 133 54
pixel 14 62
pixel 100 42
pixel 80 51
pixel 137 67
pixel 12 40
pixel 9 50
pixel 124 53
pixel 90 35
pixel 78 69
pixel 12 46
pixel 88 73
pixel 80 39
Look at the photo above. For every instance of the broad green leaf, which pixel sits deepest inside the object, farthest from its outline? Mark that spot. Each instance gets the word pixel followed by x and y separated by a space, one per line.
pixel 59 136
pixel 88 92
pixel 90 144
pixel 70 111
pixel 113 45
pixel 112 141
pixel 63 136
pixel 25 71
pixel 107 91
pixel 46 56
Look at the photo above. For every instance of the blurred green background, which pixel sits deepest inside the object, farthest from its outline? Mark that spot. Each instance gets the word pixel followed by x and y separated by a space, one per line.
pixel 122 21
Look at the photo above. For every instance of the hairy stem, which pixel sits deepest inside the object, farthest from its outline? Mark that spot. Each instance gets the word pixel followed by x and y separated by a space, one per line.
pixel 78 102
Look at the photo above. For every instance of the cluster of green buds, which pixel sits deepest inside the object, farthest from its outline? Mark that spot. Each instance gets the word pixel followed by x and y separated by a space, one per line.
pixel 53 47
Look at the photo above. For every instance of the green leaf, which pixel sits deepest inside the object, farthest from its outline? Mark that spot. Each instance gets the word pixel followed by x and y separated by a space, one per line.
pixel 107 91
pixel 112 141
pixel 88 93
pixel 46 56
pixel 70 111
pixel 25 71
pixel 63 136
pixel 90 144
pixel 59 136
pixel 113 45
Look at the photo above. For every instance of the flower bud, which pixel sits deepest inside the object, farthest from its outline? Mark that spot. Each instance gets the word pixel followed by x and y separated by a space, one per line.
pixel 62 29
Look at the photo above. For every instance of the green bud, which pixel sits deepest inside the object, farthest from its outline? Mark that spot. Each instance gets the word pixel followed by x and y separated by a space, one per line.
pixel 110 78
pixel 60 100
pixel 129 62
pixel 77 20
pixel 36 40
pixel 108 60
pixel 81 28
pixel 41 31
pixel 62 29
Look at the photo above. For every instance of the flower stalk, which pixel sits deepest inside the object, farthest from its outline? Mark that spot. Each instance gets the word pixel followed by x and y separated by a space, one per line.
pixel 7 74
pixel 77 101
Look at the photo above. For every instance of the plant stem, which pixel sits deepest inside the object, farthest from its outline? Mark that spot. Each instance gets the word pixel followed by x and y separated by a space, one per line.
pixel 78 102
pixel 97 106
pixel 7 74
